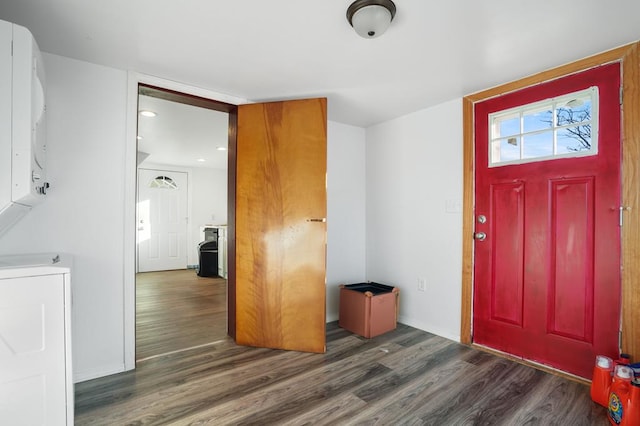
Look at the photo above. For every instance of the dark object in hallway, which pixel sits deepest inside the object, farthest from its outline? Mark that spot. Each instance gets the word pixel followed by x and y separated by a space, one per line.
pixel 208 258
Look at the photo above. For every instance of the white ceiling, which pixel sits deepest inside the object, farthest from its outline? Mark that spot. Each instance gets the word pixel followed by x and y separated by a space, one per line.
pixel 181 134
pixel 265 50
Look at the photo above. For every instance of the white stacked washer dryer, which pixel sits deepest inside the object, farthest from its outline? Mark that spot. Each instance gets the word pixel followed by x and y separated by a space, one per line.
pixel 22 124
pixel 36 381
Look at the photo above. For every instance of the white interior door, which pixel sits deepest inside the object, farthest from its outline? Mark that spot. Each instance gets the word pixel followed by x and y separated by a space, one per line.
pixel 161 220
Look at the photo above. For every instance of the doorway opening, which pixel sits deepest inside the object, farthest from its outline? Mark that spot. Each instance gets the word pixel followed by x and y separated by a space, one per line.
pixel 181 199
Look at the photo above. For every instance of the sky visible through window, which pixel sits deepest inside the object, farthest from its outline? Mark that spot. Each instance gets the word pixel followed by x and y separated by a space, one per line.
pixel 528 132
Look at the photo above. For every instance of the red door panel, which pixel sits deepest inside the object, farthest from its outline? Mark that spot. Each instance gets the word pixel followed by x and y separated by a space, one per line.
pixel 507 210
pixel 547 276
pixel 570 300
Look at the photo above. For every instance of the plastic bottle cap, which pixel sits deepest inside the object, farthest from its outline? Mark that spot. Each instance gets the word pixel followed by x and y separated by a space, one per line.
pixel 604 361
pixel 624 372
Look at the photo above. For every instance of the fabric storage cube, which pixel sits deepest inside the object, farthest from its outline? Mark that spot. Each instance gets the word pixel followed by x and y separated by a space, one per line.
pixel 368 309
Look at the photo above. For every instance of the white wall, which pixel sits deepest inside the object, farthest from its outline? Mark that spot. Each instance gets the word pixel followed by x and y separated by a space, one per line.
pixel 209 201
pixel 414 220
pixel 409 233
pixel 209 204
pixel 345 210
pixel 83 212
pixel 209 196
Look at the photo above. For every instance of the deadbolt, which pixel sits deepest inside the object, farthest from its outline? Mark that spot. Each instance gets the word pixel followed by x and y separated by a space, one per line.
pixel 482 219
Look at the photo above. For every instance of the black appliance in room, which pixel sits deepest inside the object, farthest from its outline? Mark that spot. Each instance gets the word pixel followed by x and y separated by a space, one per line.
pixel 208 254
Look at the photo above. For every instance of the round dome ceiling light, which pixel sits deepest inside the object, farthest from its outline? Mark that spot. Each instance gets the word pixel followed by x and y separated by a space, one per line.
pixel 371 18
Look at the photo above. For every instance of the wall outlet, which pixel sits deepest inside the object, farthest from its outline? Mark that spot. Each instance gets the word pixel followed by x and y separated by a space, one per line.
pixel 422 284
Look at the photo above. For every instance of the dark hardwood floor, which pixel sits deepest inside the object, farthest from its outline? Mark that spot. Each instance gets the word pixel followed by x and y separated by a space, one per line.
pixel 178 309
pixel 405 377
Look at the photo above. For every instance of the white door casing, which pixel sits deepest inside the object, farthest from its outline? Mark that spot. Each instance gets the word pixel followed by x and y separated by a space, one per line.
pixel 134 79
pixel 161 220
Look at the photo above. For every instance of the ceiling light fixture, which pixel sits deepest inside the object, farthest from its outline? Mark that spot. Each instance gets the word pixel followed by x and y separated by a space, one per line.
pixel 371 18
pixel 221 148
pixel 201 160
pixel 146 113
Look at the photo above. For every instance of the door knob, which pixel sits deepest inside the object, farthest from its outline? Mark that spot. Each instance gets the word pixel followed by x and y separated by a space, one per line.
pixel 480 236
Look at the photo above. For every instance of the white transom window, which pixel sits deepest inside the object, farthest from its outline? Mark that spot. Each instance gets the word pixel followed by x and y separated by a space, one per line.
pixel 560 127
pixel 163 182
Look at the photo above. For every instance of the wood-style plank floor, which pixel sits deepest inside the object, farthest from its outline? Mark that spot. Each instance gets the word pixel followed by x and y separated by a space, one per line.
pixel 177 310
pixel 405 377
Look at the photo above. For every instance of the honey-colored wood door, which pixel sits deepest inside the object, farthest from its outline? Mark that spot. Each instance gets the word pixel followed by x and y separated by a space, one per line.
pixel 280 228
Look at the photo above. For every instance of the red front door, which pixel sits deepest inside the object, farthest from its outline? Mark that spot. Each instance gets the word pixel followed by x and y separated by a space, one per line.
pixel 547 274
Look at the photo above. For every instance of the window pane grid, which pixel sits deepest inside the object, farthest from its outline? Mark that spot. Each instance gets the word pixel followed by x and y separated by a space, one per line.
pixel 554 128
pixel 163 182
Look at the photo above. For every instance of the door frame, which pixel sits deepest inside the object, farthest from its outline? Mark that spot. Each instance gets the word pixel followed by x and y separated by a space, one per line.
pixel 629 57
pixel 185 94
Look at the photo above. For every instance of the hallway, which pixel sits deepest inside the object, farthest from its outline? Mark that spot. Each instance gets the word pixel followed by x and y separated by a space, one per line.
pixel 176 310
